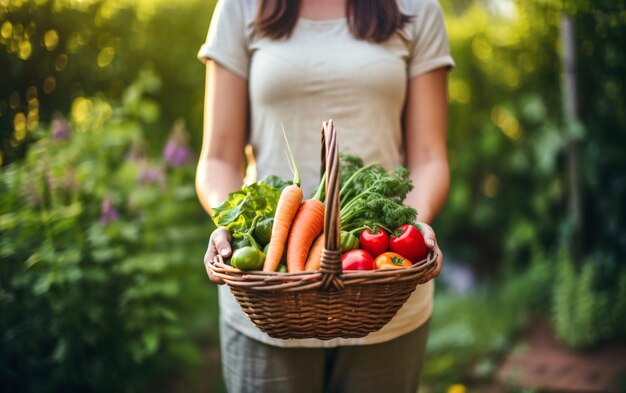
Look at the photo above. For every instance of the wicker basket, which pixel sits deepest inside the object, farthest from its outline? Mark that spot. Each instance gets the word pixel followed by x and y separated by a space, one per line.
pixel 328 303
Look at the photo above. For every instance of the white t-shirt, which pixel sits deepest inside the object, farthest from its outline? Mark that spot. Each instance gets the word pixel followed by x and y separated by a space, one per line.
pixel 323 72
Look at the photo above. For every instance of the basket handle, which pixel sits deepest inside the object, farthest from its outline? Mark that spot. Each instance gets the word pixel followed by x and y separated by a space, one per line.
pixel 330 264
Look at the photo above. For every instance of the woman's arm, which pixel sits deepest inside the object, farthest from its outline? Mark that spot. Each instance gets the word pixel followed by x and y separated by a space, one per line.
pixel 221 165
pixel 426 153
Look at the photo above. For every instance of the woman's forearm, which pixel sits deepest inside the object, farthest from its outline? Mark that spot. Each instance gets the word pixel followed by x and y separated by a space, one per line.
pixel 431 182
pixel 215 179
pixel 427 158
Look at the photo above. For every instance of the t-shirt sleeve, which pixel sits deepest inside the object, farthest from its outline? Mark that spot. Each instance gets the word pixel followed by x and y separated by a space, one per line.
pixel 227 39
pixel 430 47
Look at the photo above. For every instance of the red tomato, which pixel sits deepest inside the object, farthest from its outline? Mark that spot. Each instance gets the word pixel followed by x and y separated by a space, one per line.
pixel 408 241
pixel 375 242
pixel 357 260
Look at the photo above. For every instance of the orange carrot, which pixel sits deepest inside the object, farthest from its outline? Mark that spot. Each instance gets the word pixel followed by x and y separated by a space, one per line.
pixel 307 225
pixel 286 210
pixel 315 255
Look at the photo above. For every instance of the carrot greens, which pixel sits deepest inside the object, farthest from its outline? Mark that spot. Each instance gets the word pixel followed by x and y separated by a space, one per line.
pixel 371 196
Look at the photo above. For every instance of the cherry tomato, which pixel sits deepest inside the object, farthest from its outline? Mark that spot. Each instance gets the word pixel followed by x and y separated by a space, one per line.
pixel 408 241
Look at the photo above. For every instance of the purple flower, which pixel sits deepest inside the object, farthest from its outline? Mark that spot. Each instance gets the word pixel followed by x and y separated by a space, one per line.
pixel 176 155
pixel 109 212
pixel 177 152
pixel 60 129
pixel 151 174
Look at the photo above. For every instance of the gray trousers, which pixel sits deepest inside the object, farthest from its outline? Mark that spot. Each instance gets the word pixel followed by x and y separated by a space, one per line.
pixel 250 366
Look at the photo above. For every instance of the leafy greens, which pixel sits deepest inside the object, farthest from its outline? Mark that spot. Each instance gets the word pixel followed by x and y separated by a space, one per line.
pixel 238 212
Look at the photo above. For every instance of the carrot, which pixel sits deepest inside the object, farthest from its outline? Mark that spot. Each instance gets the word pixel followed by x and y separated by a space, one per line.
pixel 307 225
pixel 286 210
pixel 315 255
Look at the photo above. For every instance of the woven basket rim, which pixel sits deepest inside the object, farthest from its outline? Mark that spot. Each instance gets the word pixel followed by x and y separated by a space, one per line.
pixel 218 263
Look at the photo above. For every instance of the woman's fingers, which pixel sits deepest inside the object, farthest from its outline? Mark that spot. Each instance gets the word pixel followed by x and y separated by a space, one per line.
pixel 221 238
pixel 218 243
pixel 428 234
pixel 431 242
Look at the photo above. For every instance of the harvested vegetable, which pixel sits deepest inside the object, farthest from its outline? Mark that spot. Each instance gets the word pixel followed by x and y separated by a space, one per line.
pixel 348 165
pixel 249 257
pixel 374 199
pixel 375 241
pixel 357 260
pixel 408 241
pixel 283 259
pixel 391 260
pixel 315 254
pixel 286 210
pixel 263 231
pixel 306 227
pixel 348 241
pixel 243 206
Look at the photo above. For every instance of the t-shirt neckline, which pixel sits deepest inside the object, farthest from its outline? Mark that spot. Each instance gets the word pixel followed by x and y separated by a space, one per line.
pixel 322 21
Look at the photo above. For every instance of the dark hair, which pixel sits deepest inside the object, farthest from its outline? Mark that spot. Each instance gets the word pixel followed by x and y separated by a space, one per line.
pixel 370 20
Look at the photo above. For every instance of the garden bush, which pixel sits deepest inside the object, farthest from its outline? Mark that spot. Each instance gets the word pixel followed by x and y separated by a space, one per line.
pixel 102 286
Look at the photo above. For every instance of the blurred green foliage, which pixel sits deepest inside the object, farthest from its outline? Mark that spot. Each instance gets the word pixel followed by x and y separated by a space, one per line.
pixel 101 281
pixel 52 52
pixel 509 139
pixel 506 140
pixel 589 304
pixel 471 332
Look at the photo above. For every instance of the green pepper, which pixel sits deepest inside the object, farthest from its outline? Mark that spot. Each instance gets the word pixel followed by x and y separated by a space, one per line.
pixel 282 268
pixel 248 258
pixel 240 241
pixel 348 241
pixel 263 231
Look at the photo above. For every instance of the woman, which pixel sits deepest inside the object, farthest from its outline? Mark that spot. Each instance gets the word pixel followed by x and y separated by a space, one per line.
pixel 379 69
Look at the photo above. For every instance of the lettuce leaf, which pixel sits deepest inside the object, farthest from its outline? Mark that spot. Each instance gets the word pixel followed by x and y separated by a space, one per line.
pixel 255 199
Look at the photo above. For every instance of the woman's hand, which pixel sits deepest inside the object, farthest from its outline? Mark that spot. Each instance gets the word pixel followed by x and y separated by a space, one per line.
pixel 218 243
pixel 431 244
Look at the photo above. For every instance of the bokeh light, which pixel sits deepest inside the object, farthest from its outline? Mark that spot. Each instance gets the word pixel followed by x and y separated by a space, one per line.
pixel 105 57
pixel 506 121
pixel 51 39
pixel 61 62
